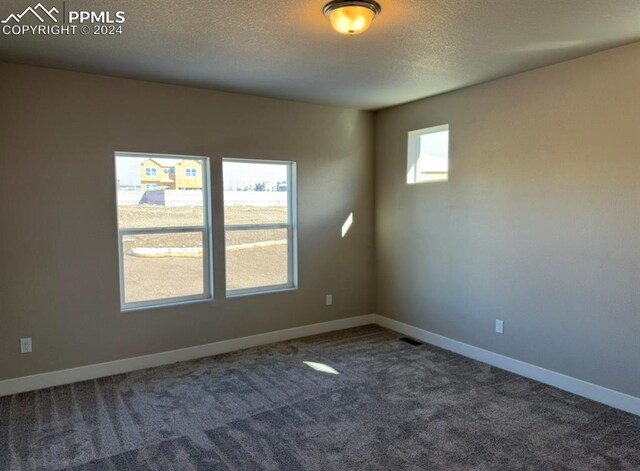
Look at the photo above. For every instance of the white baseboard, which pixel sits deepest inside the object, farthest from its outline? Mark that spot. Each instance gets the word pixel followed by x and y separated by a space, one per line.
pixel 576 386
pixel 582 388
pixel 83 373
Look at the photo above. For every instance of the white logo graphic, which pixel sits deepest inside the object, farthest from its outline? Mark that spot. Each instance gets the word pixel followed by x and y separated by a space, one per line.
pixel 34 10
pixel 50 22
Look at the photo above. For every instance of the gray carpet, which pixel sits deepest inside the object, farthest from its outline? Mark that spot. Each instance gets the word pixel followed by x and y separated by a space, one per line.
pixel 392 406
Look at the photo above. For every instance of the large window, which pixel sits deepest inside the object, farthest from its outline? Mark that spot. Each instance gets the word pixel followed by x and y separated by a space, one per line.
pixel 163 232
pixel 260 226
pixel 428 155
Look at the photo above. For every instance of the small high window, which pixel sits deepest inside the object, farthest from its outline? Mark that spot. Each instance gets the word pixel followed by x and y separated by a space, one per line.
pixel 428 155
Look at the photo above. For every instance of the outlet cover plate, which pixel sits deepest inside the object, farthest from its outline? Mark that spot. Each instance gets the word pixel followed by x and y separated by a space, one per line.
pixel 26 345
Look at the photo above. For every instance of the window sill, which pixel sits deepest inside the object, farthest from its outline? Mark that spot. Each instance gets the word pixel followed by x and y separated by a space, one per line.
pixel 255 292
pixel 145 307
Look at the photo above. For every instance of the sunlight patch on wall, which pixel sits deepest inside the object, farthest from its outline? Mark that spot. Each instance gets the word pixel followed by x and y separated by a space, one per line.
pixel 347 225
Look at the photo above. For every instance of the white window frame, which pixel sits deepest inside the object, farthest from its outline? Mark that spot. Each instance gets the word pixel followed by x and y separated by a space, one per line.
pixel 151 172
pixel 413 153
pixel 291 226
pixel 205 230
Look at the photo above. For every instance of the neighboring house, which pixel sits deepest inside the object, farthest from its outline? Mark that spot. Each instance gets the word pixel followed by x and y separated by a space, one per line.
pixel 188 175
pixel 155 176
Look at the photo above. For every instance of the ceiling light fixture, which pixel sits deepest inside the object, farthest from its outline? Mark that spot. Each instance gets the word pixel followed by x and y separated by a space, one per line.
pixel 351 16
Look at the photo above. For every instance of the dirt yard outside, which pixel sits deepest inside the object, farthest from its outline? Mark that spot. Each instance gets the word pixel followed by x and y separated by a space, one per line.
pixel 253 258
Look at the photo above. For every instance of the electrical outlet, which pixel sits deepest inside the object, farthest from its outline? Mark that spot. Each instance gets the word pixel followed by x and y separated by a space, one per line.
pixel 25 345
pixel 499 326
pixel 329 299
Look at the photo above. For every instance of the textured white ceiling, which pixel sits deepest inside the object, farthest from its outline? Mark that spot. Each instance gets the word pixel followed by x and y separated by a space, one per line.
pixel 287 49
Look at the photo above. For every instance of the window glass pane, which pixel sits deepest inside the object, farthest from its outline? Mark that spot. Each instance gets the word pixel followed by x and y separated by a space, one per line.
pixel 428 154
pixel 256 258
pixel 151 193
pixel 255 193
pixel 160 266
pixel 433 157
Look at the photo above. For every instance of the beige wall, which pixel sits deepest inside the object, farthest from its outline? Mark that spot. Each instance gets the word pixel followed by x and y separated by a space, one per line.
pixel 538 225
pixel 58 249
